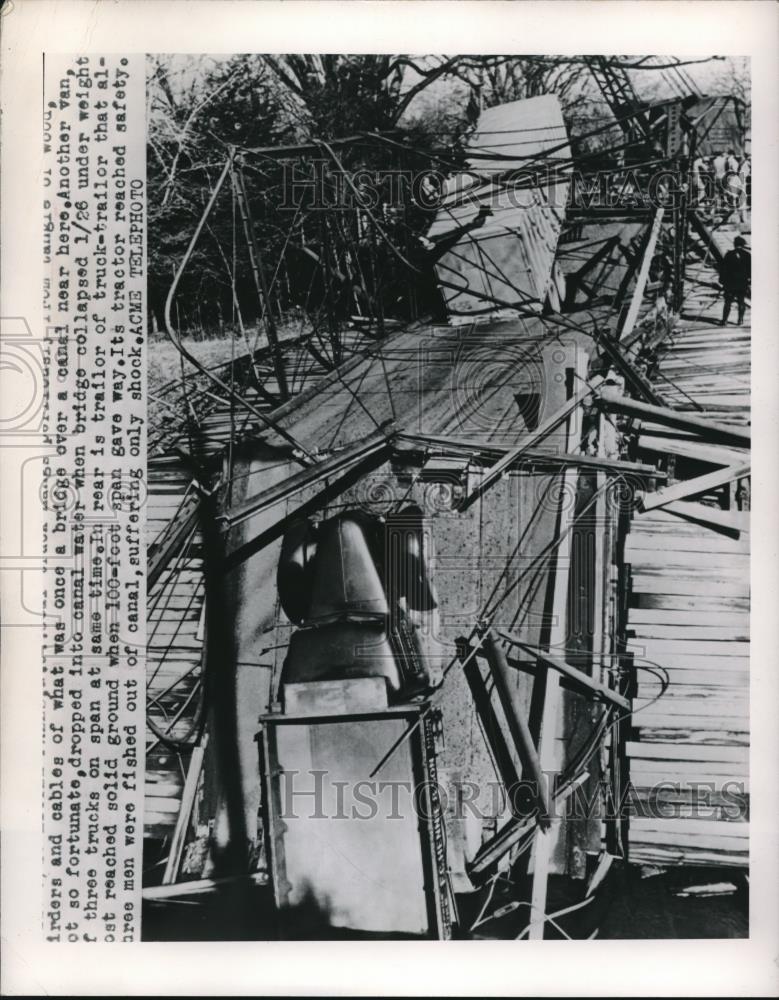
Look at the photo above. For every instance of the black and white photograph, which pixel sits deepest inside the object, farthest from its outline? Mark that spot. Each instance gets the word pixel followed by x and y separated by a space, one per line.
pixel 449 489
pixel 388 552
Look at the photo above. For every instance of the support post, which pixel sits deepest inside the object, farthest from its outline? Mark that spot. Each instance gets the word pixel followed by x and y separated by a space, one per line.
pixel 546 840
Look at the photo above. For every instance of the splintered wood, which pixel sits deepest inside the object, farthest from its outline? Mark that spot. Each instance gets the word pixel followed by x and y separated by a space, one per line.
pixel 688 621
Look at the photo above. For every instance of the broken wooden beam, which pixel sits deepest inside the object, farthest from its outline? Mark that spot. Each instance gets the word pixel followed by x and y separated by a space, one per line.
pixel 643 274
pixel 709 454
pixel 726 434
pixel 731 522
pixel 185 812
pixel 594 686
pixel 198 887
pixel 490 853
pixel 551 711
pixel 691 487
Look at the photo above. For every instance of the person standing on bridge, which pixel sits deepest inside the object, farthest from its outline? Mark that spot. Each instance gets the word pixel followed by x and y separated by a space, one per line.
pixel 719 166
pixel 735 277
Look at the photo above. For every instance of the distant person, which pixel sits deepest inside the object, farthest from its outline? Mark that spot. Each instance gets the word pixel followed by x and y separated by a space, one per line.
pixel 735 277
pixel 745 173
pixel 699 179
pixel 709 184
pixel 719 165
pixel 732 180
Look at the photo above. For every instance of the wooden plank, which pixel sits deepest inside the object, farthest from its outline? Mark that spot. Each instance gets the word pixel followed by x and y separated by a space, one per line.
pixel 668 616
pixel 678 856
pixel 710 696
pixel 697 776
pixel 731 521
pixel 157 824
pixel 699 834
pixel 698 798
pixel 657 518
pixel 162 789
pixel 709 430
pixel 184 814
pixel 199 886
pixel 719 704
pixel 184 642
pixel 690 827
pixel 643 274
pixel 670 751
pixel 696 573
pixel 697 522
pixel 546 840
pixel 726 805
pixel 725 633
pixel 719 653
pixel 680 663
pixel 737 694
pixel 161 805
pixel 692 487
pixel 698 602
pixel 703 679
pixel 700 453
pixel 702 541
pixel 651 719
pixel 722 587
pixel 667 557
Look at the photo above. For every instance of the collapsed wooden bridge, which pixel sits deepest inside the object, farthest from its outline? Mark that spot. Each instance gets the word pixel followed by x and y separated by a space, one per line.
pixel 584 475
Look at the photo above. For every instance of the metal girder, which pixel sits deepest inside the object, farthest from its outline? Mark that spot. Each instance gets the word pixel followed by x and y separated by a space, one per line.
pixel 171 538
pixel 404 444
pixel 364 448
pixel 335 487
pixel 615 85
